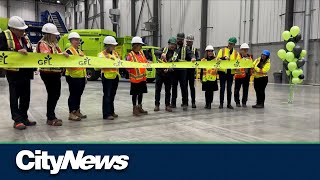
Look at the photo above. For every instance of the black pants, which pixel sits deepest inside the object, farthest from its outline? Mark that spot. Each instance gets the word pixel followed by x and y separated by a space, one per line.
pixel 190 82
pixel 209 97
pixel 179 76
pixel 138 97
pixel 110 87
pixel 76 88
pixel 260 85
pixel 244 82
pixel 223 79
pixel 52 82
pixel 19 90
pixel 162 79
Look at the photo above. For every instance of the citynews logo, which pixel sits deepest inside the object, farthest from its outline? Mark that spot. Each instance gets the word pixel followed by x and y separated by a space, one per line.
pixel 40 160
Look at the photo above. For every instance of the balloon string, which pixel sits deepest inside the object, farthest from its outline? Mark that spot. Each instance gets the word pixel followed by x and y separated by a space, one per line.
pixel 291 91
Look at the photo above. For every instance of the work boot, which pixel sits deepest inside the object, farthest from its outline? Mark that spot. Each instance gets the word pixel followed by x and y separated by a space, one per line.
pixel 238 105
pixel 157 108
pixel 244 105
pixel 168 109
pixel 109 118
pixel 185 107
pixel 141 110
pixel 258 106
pixel 74 117
pixel 115 115
pixel 79 114
pixel 136 111
pixel 173 106
pixel 27 122
pixel 230 107
pixel 194 105
pixel 221 106
pixel 19 126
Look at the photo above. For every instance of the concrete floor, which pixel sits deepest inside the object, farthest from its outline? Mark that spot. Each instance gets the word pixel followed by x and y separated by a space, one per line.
pixel 278 122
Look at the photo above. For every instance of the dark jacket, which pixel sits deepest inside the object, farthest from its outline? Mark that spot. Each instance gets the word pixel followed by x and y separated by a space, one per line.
pixel 26 72
pixel 168 57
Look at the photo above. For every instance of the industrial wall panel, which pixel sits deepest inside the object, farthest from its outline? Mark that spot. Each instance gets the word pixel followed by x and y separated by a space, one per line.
pixel 3 8
pixel 27 12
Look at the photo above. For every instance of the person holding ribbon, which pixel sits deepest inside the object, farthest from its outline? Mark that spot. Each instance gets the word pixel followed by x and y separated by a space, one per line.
pixel 242 77
pixel 76 79
pixel 51 76
pixel 138 76
pixel 110 78
pixel 208 77
pixel 261 67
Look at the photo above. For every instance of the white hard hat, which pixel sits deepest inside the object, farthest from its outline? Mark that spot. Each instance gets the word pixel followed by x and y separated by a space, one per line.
pixel 110 40
pixel 17 22
pixel 209 48
pixel 74 35
pixel 190 37
pixel 50 29
pixel 137 40
pixel 244 46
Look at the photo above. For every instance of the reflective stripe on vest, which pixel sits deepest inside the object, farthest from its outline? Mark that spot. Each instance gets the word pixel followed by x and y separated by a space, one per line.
pixel 110 73
pixel 209 75
pixel 234 57
pixel 138 74
pixel 54 50
pixel 258 74
pixel 183 53
pixel 194 50
pixel 175 54
pixel 241 73
pixel 75 72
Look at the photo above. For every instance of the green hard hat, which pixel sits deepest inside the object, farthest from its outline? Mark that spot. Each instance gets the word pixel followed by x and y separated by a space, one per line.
pixel 233 40
pixel 172 40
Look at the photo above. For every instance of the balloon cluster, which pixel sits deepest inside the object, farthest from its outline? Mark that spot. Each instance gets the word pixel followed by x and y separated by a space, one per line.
pixel 293 58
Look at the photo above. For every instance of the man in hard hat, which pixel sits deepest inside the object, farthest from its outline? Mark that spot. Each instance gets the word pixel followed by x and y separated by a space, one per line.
pixel 169 54
pixel 242 77
pixel 110 78
pixel 138 76
pixel 179 74
pixel 15 39
pixel 191 71
pixel 76 79
pixel 226 75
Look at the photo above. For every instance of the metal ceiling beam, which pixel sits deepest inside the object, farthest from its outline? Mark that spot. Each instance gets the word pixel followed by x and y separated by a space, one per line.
pixel 204 26
pixel 133 17
pixel 101 14
pixel 156 20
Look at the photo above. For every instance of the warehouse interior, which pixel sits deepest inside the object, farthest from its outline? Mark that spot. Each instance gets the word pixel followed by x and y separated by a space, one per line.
pixel 259 23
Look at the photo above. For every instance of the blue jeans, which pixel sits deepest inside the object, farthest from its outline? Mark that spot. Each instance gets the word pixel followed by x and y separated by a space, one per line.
pixel 225 78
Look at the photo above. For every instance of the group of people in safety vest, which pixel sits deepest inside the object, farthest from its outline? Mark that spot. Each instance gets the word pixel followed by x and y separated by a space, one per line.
pixel 15 39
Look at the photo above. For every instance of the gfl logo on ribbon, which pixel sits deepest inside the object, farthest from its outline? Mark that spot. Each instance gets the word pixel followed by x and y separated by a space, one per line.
pixel 40 160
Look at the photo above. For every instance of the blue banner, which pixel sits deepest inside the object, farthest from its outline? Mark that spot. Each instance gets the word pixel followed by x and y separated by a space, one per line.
pixel 160 161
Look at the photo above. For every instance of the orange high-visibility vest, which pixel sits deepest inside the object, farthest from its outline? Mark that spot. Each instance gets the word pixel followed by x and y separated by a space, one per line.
pixel 241 73
pixel 209 74
pixel 137 75
pixel 110 73
pixel 75 72
pixel 54 50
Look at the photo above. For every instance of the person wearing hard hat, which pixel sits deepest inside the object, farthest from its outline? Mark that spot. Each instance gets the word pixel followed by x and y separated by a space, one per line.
pixel 51 76
pixel 179 75
pixel 226 75
pixel 138 76
pixel 110 78
pixel 242 77
pixel 15 39
pixel 191 71
pixel 76 79
pixel 163 75
pixel 261 67
pixel 208 77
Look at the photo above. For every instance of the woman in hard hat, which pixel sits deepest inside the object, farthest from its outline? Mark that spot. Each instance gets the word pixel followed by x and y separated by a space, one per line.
pixel 137 76
pixel 15 39
pixel 110 78
pixel 76 79
pixel 226 75
pixel 242 77
pixel 261 67
pixel 51 76
pixel 208 77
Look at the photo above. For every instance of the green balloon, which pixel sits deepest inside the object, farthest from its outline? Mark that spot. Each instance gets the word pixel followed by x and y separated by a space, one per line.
pixel 290 46
pixel 289 56
pixel 295 80
pixel 296 73
pixel 300 81
pixel 292 66
pixel 300 71
pixel 295 60
pixel 282 54
pixel 294 31
pixel 288 72
pixel 286 35
pixel 303 53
